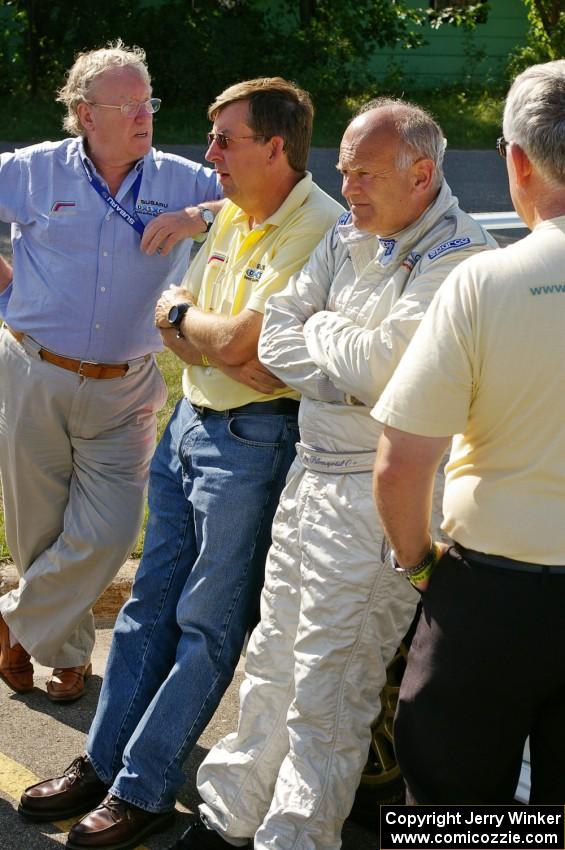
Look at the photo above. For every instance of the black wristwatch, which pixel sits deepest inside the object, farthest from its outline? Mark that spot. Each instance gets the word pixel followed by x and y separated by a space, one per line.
pixel 207 217
pixel 177 314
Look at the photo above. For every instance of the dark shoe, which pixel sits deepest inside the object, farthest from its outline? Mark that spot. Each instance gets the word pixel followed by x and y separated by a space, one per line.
pixel 75 792
pixel 15 666
pixel 199 837
pixel 67 683
pixel 116 825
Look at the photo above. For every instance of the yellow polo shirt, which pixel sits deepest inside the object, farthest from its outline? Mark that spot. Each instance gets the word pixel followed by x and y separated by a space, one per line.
pixel 238 268
pixel 487 364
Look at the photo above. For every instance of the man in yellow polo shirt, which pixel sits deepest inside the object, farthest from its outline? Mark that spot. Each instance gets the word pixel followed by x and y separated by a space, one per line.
pixel 215 479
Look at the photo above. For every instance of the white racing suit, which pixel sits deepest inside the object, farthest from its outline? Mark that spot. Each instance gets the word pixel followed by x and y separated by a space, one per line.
pixel 332 613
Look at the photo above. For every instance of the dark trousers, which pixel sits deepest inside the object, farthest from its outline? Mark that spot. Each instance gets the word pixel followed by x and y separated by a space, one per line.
pixel 486 669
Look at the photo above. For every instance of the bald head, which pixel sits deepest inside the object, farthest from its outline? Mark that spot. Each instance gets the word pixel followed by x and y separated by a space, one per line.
pixel 419 135
pixel 374 122
pixel 390 159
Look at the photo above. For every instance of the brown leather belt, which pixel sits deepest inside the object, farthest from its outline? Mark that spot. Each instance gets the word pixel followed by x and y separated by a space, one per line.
pixel 84 368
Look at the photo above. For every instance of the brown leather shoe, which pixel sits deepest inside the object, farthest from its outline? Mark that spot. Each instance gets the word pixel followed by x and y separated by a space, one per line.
pixel 15 666
pixel 116 825
pixel 67 683
pixel 75 792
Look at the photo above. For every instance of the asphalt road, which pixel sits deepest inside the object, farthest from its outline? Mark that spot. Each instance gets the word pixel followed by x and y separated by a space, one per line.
pixel 40 739
pixel 478 178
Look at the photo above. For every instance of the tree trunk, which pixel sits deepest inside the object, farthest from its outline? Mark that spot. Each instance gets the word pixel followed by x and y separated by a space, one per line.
pixel 307 9
pixel 548 11
pixel 33 47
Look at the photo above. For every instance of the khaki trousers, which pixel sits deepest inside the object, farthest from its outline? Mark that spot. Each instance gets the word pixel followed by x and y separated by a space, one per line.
pixel 74 457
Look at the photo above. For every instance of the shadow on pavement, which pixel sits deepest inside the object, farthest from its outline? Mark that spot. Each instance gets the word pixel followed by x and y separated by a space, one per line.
pixel 30 836
pixel 77 715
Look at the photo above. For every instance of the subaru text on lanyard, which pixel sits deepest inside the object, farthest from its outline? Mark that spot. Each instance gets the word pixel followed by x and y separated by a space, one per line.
pixel 133 220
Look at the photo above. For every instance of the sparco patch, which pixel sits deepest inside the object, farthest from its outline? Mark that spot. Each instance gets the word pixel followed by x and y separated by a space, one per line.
pixel 448 246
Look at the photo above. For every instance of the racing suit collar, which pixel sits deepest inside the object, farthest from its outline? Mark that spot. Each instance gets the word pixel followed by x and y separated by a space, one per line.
pixel 385 248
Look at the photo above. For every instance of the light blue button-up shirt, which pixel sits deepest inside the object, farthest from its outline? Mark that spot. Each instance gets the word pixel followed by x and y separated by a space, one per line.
pixel 81 285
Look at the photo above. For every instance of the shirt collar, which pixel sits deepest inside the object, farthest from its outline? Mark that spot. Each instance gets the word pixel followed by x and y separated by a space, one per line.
pixel 86 159
pixel 292 202
pixel 443 201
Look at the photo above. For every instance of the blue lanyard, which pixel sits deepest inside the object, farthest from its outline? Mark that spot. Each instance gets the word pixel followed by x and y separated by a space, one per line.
pixel 133 220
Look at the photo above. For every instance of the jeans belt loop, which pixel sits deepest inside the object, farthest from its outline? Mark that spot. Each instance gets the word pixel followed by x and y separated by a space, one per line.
pixel 19 336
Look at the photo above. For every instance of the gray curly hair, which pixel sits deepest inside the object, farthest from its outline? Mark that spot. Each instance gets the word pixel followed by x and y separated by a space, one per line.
pixel 89 65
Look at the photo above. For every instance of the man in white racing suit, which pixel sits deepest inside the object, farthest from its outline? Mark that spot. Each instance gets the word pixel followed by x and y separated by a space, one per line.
pixel 332 612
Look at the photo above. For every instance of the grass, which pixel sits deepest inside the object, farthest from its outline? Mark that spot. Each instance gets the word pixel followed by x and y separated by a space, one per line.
pixel 469 119
pixel 172 369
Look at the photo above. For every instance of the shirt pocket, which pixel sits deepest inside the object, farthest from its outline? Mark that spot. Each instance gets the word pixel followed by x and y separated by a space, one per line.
pixel 69 235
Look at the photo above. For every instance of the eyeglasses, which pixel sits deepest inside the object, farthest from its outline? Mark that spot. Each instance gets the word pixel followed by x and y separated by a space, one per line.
pixel 133 108
pixel 223 141
pixel 501 145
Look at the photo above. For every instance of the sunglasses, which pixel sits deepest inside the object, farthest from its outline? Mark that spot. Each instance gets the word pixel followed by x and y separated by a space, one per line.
pixel 501 145
pixel 223 141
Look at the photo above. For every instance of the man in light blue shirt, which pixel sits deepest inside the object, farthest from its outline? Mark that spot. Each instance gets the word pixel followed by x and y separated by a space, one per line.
pixel 98 231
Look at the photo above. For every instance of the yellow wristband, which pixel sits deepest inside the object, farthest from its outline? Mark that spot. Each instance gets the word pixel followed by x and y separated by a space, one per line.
pixel 204 359
pixel 427 569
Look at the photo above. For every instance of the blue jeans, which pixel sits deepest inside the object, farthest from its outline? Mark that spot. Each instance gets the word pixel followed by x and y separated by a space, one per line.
pixel 214 486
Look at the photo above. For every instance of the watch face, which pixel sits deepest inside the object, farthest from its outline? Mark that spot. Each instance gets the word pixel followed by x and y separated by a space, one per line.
pixel 207 217
pixel 176 314
pixel 173 314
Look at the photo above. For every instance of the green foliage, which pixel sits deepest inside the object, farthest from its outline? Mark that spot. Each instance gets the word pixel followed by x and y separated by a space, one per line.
pixel 470 117
pixel 327 46
pixel 467 16
pixel 323 45
pixel 546 36
pixel 327 50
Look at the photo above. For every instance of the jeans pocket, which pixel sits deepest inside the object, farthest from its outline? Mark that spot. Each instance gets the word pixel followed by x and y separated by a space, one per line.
pixel 261 430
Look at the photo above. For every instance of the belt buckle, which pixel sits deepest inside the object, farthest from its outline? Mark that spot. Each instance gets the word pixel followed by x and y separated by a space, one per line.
pixel 85 363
